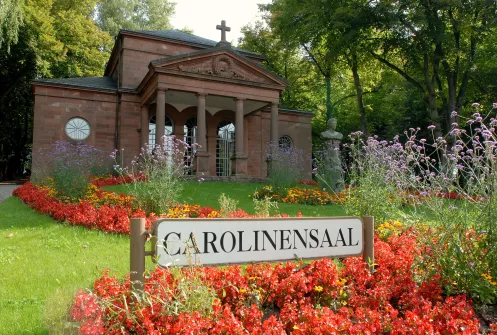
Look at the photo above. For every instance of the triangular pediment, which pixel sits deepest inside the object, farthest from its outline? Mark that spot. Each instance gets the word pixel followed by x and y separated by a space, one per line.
pixel 218 63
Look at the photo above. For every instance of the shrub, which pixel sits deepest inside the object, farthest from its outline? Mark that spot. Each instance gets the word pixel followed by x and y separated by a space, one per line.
pixel 286 167
pixel 67 167
pixel 452 182
pixel 372 191
pixel 227 205
pixel 156 174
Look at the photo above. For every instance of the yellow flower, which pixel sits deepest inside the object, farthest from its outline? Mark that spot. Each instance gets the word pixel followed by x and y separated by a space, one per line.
pixel 243 290
pixel 318 288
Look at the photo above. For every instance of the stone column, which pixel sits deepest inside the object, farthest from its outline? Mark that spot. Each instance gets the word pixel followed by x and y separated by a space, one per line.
pixel 201 124
pixel 202 155
pixel 239 127
pixel 160 117
pixel 239 160
pixel 274 123
pixel 144 126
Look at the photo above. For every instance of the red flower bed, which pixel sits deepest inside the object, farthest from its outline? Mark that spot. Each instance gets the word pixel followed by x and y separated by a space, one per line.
pixel 109 218
pixel 286 299
pixel 111 180
pixel 112 219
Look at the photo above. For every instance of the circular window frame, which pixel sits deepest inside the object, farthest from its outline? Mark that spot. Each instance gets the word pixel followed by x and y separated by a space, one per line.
pixel 287 140
pixel 78 128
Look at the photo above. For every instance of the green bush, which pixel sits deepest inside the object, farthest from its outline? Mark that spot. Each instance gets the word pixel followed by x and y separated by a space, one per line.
pixel 286 167
pixel 68 166
pixel 157 175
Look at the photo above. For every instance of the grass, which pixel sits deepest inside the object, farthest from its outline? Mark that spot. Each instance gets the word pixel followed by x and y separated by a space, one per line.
pixel 207 194
pixel 44 261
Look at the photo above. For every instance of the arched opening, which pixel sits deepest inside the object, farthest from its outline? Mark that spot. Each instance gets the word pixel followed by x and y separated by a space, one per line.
pixel 225 148
pixel 190 131
pixel 169 128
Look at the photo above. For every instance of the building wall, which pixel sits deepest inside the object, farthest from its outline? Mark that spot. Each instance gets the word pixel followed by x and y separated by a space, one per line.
pixel 295 125
pixel 54 106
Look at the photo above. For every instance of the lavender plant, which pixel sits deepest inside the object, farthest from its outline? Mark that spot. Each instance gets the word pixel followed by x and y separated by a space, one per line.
pixel 68 166
pixel 452 182
pixel 286 167
pixel 371 187
pixel 157 174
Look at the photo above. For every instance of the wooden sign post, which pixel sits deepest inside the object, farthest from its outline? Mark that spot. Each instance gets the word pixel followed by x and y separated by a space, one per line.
pixel 183 242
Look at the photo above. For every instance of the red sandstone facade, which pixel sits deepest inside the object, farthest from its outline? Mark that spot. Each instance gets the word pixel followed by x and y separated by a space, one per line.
pixel 174 76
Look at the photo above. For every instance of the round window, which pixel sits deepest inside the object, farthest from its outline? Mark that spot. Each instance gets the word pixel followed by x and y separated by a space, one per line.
pixel 285 142
pixel 78 129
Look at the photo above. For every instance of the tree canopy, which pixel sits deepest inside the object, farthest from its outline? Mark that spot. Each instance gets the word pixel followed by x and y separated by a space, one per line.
pixel 57 38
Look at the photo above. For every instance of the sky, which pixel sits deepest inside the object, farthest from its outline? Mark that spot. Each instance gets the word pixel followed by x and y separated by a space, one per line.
pixel 202 16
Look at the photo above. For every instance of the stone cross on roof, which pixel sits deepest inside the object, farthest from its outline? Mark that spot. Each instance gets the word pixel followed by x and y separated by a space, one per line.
pixel 223 29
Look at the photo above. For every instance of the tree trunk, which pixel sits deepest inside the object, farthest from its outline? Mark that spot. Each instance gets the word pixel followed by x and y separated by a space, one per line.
pixel 329 106
pixel 358 87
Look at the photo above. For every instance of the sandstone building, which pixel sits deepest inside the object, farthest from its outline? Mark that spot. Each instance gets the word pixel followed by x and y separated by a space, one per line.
pixel 170 82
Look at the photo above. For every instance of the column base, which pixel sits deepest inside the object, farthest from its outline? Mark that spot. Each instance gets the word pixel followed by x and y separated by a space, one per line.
pixel 239 165
pixel 202 158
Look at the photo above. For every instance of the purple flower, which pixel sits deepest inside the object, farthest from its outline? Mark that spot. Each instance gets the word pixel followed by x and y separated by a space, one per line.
pixel 475 104
pixel 431 127
pixel 453 114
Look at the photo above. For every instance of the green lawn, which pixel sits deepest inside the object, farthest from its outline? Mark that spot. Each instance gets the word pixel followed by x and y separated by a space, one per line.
pixel 43 263
pixel 46 261
pixel 207 194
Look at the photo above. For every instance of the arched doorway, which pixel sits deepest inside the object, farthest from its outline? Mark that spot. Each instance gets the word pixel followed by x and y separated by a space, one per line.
pixel 169 129
pixel 190 131
pixel 225 148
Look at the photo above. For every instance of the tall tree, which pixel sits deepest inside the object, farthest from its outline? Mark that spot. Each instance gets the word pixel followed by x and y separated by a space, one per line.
pixel 433 45
pixel 10 21
pixel 113 15
pixel 17 69
pixel 284 60
pixel 328 31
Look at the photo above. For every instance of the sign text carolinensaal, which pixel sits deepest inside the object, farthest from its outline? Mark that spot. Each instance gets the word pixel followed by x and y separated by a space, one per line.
pixel 232 241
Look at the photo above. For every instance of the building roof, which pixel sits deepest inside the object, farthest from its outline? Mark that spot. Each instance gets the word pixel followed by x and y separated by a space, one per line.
pixel 103 83
pixel 186 37
pixel 293 110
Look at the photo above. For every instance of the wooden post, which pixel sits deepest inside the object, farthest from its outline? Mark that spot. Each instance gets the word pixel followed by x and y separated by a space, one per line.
pixel 137 254
pixel 368 253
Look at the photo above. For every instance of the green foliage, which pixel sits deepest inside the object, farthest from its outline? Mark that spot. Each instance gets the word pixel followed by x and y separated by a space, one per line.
pixel 10 22
pixel 264 205
pixel 17 69
pixel 370 192
pixel 285 60
pixel 286 168
pixel 68 166
pixel 226 205
pixel 114 15
pixel 157 175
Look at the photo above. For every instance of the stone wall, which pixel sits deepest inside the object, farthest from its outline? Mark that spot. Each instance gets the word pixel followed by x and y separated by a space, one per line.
pixel 54 106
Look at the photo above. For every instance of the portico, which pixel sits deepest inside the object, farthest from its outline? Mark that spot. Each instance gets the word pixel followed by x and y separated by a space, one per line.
pixel 215 81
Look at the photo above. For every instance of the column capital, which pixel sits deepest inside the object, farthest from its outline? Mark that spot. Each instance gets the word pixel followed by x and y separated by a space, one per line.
pixel 239 99
pixel 275 103
pixel 199 94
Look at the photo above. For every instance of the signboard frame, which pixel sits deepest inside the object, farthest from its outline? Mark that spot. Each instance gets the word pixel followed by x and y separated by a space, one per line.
pixel 192 224
pixel 139 236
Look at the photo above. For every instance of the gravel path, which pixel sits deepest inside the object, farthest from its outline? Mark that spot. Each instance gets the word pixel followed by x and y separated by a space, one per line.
pixel 6 190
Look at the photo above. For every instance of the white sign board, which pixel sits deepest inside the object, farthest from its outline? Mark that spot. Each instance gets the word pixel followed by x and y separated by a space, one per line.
pixel 237 241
